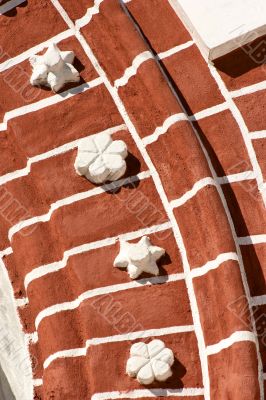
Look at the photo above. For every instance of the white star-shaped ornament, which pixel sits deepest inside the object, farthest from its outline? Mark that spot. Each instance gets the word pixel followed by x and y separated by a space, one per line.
pixel 53 69
pixel 150 362
pixel 139 257
pixel 100 159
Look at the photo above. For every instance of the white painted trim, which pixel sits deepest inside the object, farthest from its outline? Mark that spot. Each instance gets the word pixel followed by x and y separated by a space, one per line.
pixel 73 199
pixel 38 272
pixel 220 27
pixel 236 337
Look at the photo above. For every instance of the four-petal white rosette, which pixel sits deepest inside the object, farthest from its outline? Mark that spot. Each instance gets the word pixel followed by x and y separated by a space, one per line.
pixel 150 362
pixel 100 159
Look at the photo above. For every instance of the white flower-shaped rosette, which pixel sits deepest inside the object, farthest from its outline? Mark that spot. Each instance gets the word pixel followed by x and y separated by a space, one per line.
pixel 150 362
pixel 100 159
pixel 54 68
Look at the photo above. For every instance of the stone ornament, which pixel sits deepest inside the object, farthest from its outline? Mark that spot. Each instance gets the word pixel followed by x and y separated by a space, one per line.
pixel 150 362
pixel 100 159
pixel 53 69
pixel 139 257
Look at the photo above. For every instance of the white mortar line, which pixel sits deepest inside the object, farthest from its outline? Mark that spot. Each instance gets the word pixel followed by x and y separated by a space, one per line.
pixel 143 393
pixel 49 101
pixel 117 338
pixel 9 5
pixel 73 199
pixel 239 177
pixel 114 93
pixel 22 302
pixel 208 112
pixel 6 252
pixel 31 338
pixel 160 130
pixel 258 135
pixel 214 264
pixel 11 62
pixel 37 382
pixel 71 305
pixel 258 300
pixel 132 70
pixel 95 9
pixel 174 50
pixel 38 272
pixel 249 89
pixel 252 239
pixel 243 128
pixel 54 152
pixel 199 185
pixel 236 337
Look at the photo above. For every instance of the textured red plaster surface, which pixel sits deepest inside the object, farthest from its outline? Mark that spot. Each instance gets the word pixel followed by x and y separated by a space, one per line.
pixel 207 223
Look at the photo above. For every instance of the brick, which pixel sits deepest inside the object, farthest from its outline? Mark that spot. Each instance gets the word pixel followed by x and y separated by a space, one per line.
pixel 89 112
pixel 77 9
pixel 220 315
pixel 260 321
pixel 159 23
pixel 85 274
pixel 113 39
pixel 23 26
pixel 12 156
pixel 204 227
pixel 179 159
pixel 220 134
pixel 234 372
pixel 148 99
pixel 252 108
pixel 114 314
pixel 192 80
pixel 260 147
pixel 87 221
pixel 246 207
pixel 67 378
